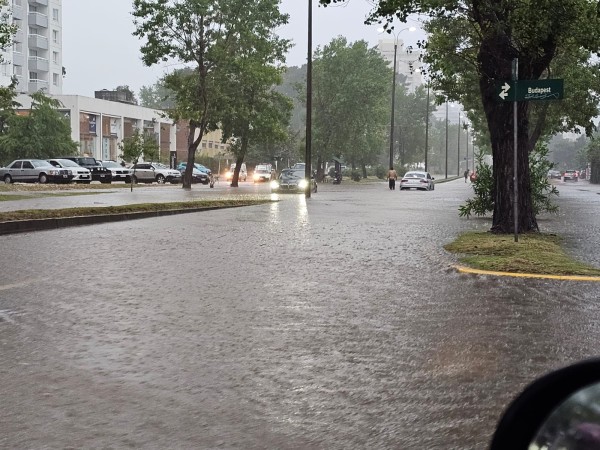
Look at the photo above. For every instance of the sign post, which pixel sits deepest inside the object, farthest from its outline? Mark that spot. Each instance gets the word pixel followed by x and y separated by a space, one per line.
pixel 515 91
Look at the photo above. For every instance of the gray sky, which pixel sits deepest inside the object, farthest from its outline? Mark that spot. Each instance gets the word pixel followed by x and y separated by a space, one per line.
pixel 99 51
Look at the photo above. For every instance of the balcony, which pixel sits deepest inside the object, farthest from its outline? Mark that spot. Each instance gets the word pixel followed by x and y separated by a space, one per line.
pixel 19 36
pixel 37 85
pixel 17 12
pixel 38 2
pixel 18 59
pixel 37 64
pixel 37 41
pixel 38 20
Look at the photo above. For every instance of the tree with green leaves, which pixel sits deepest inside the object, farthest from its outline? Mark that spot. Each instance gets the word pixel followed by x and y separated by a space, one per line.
pixel 470 49
pixel 7 27
pixel 351 89
pixel 138 146
pixel 207 36
pixel 42 133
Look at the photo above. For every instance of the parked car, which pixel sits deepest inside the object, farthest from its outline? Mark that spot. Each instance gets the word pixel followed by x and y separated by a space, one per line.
pixel 418 180
pixel 99 172
pixel 262 173
pixel 570 175
pixel 554 174
pixel 197 175
pixel 243 173
pixel 34 170
pixel 293 180
pixel 151 172
pixel 182 165
pixel 80 174
pixel 118 172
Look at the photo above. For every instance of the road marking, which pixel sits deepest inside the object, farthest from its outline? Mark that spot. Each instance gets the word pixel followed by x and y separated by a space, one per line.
pixel 463 269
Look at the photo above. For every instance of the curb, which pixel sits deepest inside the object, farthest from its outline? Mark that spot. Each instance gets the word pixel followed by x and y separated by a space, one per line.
pixel 463 269
pixel 25 226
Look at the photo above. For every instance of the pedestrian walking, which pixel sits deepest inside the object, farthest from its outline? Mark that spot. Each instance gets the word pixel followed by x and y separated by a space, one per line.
pixel 392 177
pixel 466 175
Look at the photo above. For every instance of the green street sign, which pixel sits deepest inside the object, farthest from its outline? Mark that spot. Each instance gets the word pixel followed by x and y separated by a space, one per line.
pixel 528 90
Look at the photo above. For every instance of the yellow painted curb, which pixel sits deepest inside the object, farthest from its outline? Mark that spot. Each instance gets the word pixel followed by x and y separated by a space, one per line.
pixel 463 269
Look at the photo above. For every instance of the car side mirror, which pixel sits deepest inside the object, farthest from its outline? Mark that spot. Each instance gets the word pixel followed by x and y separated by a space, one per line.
pixel 432 178
pixel 558 410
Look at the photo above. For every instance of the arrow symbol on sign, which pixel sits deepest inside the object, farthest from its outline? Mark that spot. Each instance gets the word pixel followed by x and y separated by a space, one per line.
pixel 505 90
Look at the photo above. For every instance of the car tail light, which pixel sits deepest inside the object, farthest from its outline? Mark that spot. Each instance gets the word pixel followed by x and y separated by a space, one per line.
pixel 423 180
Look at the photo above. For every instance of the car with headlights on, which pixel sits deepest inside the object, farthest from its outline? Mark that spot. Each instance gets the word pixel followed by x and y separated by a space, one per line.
pixel 293 180
pixel 570 175
pixel 34 170
pixel 119 172
pixel 417 179
pixel 80 174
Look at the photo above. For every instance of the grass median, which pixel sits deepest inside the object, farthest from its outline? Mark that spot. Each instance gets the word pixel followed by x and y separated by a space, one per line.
pixel 32 214
pixel 535 253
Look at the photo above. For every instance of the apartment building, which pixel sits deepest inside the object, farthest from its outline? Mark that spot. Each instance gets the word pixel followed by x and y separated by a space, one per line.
pixel 407 61
pixel 36 55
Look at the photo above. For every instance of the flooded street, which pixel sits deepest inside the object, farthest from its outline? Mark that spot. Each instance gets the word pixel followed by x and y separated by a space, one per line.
pixel 329 323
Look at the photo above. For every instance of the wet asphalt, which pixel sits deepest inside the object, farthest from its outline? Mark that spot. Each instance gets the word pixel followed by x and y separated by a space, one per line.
pixel 329 323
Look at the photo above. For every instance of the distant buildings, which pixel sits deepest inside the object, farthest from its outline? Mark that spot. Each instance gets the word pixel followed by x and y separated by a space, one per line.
pixel 36 55
pixel 407 61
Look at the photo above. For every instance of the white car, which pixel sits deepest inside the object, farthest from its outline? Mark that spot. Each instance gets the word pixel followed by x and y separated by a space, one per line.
pixel 119 173
pixel 150 172
pixel 81 174
pixel 416 179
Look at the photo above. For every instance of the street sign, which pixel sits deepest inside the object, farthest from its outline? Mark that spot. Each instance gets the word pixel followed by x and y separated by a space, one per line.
pixel 528 90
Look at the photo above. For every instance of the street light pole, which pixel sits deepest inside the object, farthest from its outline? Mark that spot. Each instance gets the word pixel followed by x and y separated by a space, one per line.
pixel 393 106
pixel 446 138
pixel 467 157
pixel 427 127
pixel 308 166
pixel 458 149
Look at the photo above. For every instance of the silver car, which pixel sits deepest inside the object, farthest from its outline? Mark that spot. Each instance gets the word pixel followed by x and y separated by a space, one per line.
pixel 417 179
pixel 150 172
pixel 119 173
pixel 34 170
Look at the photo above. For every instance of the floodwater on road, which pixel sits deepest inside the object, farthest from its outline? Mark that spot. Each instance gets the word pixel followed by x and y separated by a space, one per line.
pixel 329 323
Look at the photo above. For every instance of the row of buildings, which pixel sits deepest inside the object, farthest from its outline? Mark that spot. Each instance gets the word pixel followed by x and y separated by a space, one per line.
pixel 99 124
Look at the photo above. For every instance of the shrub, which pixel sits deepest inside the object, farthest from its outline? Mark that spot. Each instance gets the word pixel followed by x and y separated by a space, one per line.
pixel 380 172
pixel 355 175
pixel 542 191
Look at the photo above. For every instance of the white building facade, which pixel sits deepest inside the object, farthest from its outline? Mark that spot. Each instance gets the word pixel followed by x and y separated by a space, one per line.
pixel 99 126
pixel 407 61
pixel 36 55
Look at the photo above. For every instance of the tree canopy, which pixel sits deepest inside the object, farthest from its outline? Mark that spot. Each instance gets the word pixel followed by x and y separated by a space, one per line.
pixel 470 49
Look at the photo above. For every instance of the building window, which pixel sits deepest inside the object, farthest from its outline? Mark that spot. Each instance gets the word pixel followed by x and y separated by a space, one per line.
pixel 55 79
pixel 55 57
pixel 33 75
pixel 210 145
pixel 55 14
pixel 33 30
pixel 18 70
pixel 55 36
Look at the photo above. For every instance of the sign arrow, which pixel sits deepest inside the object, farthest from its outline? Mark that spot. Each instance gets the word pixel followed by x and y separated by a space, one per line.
pixel 505 90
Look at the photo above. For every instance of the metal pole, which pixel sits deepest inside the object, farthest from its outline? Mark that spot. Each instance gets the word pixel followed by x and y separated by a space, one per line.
pixel 515 77
pixel 446 138
pixel 393 107
pixel 427 127
pixel 458 149
pixel 308 167
pixel 467 157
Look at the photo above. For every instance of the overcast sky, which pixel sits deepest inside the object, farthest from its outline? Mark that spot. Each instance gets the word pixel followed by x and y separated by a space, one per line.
pixel 100 52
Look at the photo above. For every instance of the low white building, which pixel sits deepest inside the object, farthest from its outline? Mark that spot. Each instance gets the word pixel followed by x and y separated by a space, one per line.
pixel 100 125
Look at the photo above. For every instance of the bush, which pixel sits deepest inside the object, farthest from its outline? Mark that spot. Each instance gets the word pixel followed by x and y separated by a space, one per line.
pixel 542 191
pixel 355 175
pixel 380 172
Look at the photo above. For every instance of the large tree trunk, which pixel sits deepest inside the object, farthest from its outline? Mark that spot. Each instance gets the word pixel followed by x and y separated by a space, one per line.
pixel 192 148
pixel 495 59
pixel 595 169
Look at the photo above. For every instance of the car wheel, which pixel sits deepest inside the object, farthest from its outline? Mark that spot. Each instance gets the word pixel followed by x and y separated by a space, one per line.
pixel 43 179
pixel 160 179
pixel 7 179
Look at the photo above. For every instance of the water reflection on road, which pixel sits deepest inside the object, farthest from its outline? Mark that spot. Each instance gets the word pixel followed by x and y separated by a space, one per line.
pixel 330 322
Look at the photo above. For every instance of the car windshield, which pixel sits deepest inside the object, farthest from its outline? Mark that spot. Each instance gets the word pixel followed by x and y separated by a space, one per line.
pixel 160 166
pixel 40 163
pixel 67 163
pixel 414 175
pixel 87 161
pixel 292 174
pixel 111 164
